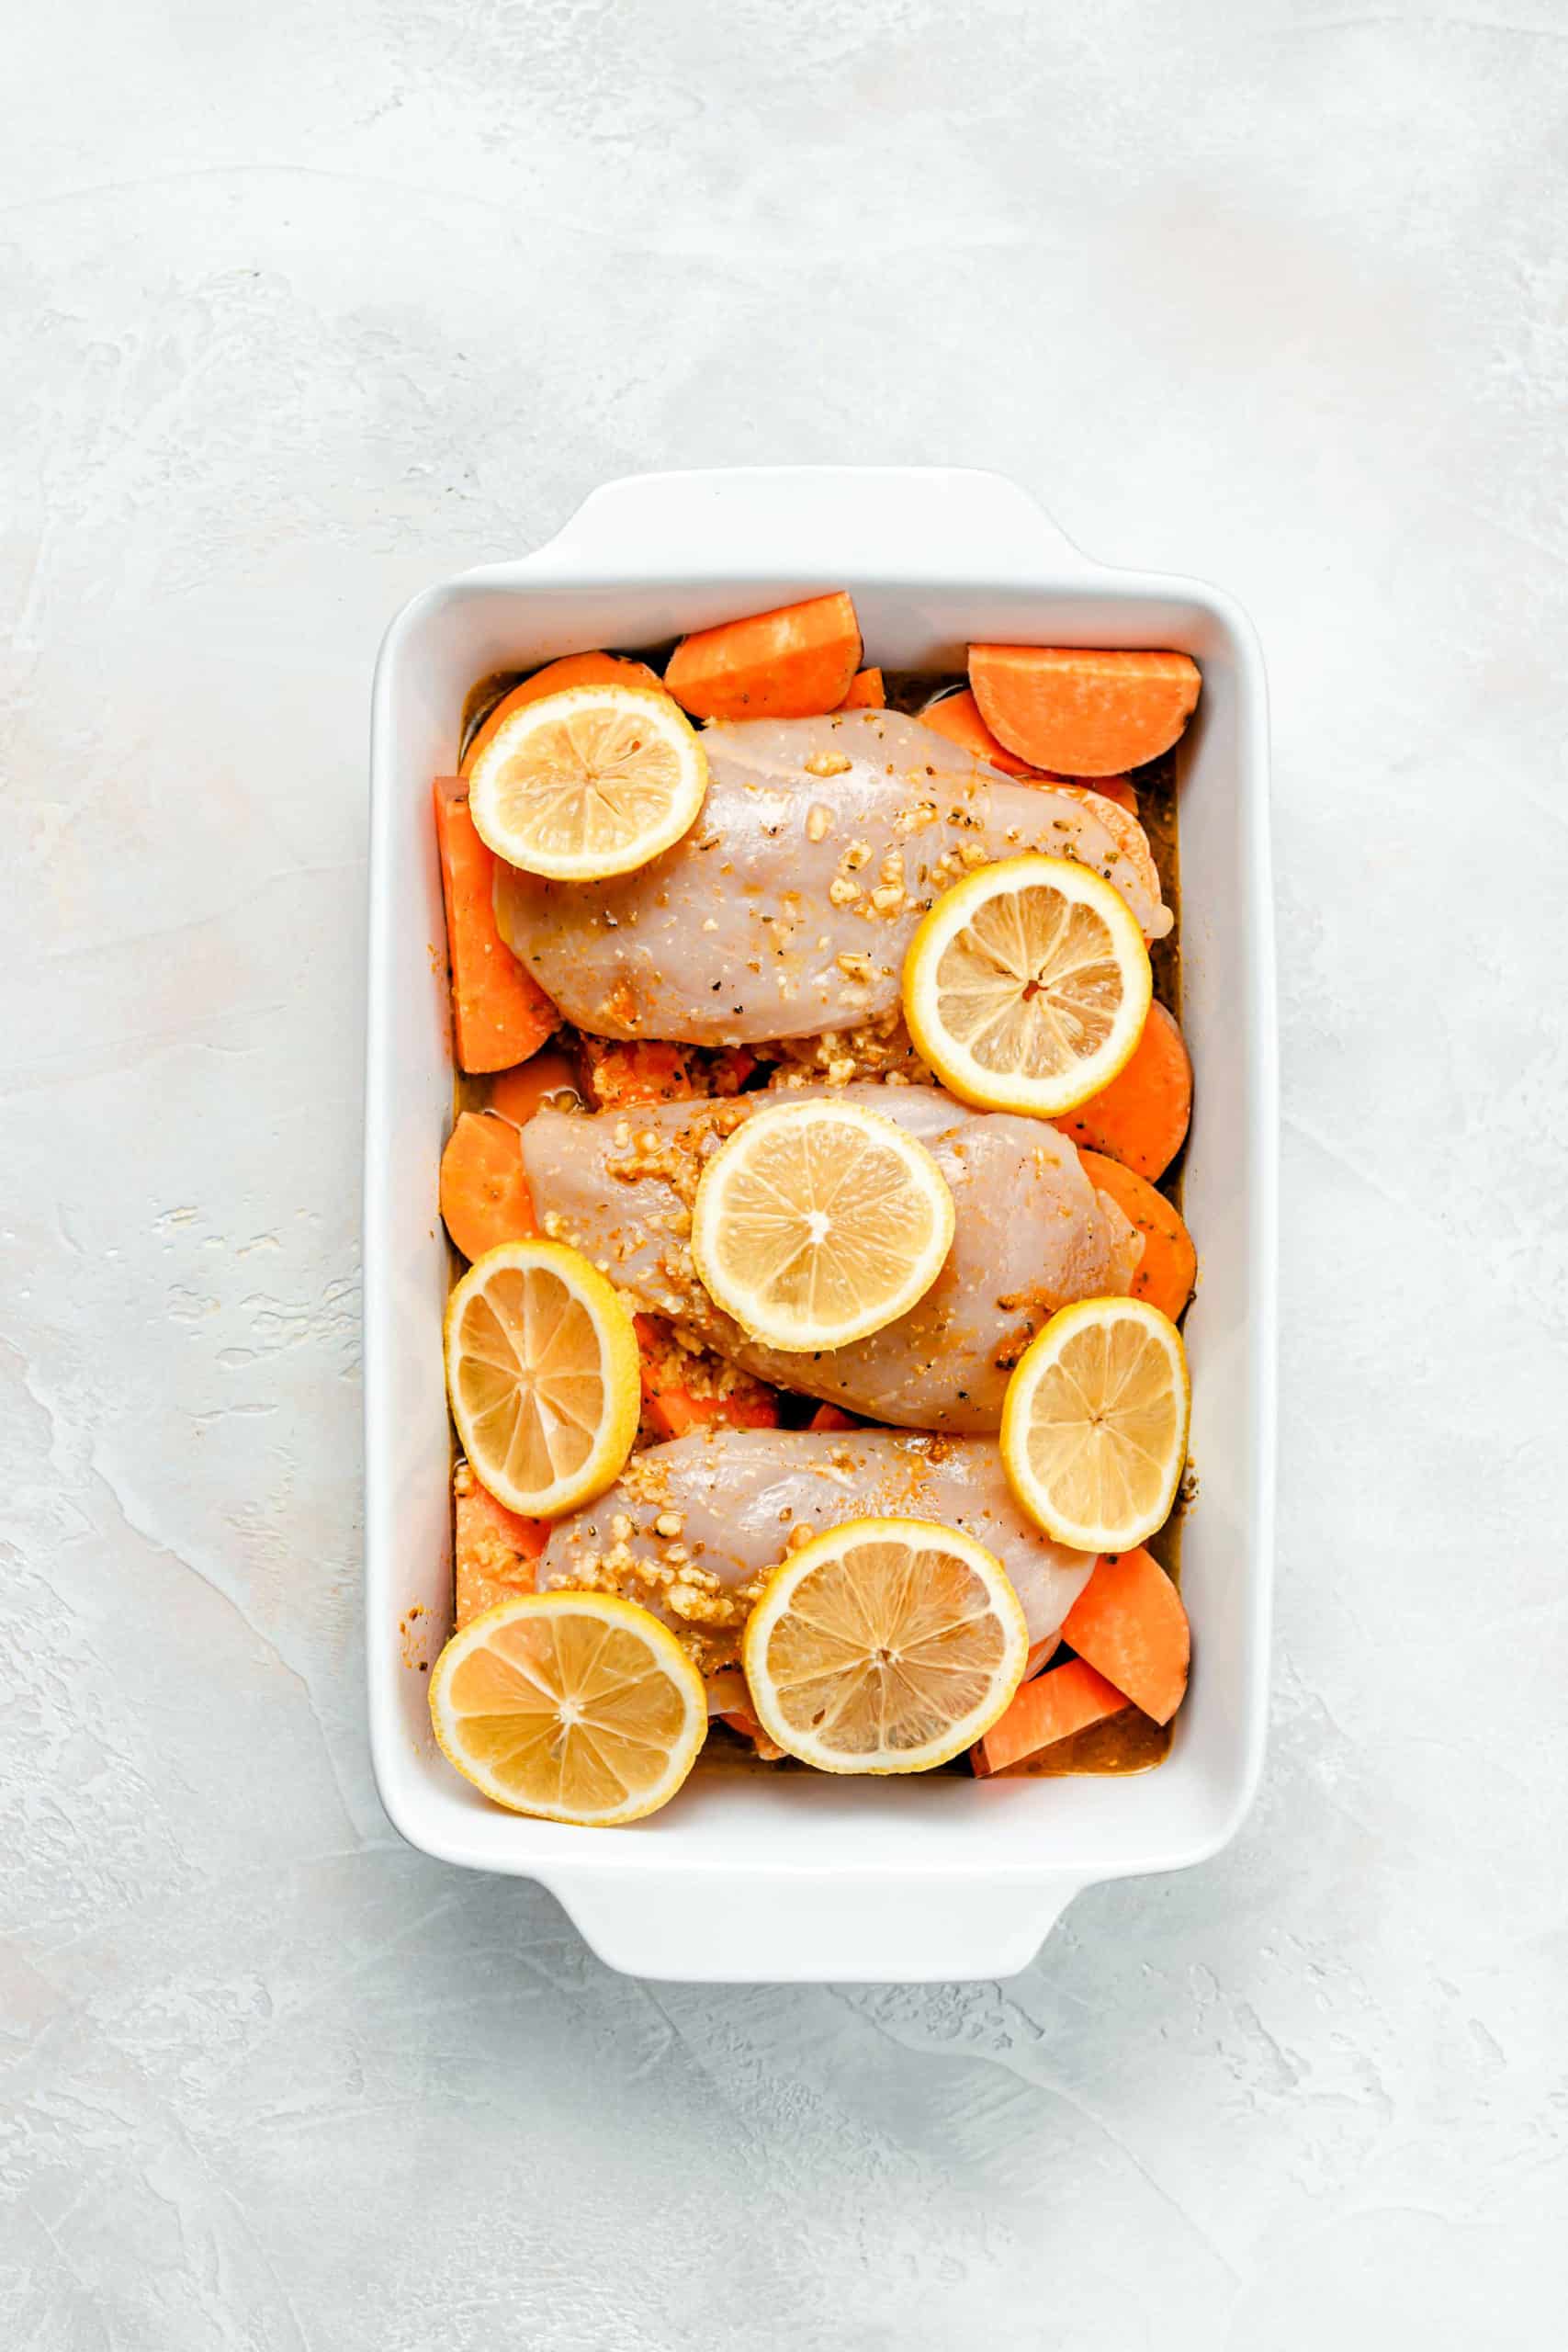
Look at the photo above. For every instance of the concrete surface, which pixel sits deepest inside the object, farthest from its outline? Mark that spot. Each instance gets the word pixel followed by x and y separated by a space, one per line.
pixel 306 305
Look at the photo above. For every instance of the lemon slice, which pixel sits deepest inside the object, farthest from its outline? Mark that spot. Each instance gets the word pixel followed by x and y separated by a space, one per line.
pixel 588 783
pixel 818 1222
pixel 542 1370
pixel 884 1646
pixel 1094 1425
pixel 577 1706
pixel 1027 985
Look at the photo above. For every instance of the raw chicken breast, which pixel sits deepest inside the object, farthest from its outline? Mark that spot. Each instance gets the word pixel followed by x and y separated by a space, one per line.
pixel 1033 1233
pixel 788 907
pixel 692 1528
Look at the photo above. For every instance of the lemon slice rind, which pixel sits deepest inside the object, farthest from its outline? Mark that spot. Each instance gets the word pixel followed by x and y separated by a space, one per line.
pixel 635 1717
pixel 757 1246
pixel 1027 985
pixel 806 1612
pixel 543 1372
pixel 589 783
pixel 1099 1408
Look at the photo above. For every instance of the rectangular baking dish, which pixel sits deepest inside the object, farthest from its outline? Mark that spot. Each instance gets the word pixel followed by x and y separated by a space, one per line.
pixel 751 1877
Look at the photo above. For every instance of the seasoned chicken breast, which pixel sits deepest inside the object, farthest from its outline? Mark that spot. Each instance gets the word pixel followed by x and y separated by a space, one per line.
pixel 690 1529
pixel 1033 1233
pixel 788 907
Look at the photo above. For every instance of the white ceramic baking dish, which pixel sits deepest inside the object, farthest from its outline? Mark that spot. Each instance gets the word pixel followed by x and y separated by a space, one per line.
pixel 751 1876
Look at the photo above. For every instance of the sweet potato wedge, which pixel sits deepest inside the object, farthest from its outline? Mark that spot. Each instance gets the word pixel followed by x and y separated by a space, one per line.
pixel 494 1549
pixel 683 1391
pixel 1063 1699
pixel 1141 1117
pixel 499 1013
pixel 1168 1267
pixel 791 663
pixel 548 1078
pixel 957 716
pixel 645 1071
pixel 833 1417
pixel 1081 711
pixel 1128 1623
pixel 866 692
pixel 484 1194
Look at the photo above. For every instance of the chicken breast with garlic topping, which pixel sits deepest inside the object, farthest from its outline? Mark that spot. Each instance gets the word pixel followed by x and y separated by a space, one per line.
pixel 788 907
pixel 693 1528
pixel 1033 1233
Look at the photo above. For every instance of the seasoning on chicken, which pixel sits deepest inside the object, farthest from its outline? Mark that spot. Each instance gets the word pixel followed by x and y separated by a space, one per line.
pixel 1033 1233
pixel 789 906
pixel 692 1528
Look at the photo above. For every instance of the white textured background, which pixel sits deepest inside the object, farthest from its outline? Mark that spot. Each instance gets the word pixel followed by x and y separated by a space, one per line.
pixel 303 305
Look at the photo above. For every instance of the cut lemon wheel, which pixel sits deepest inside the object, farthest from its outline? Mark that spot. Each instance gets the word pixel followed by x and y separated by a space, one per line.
pixel 1094 1425
pixel 577 1706
pixel 818 1222
pixel 588 783
pixel 884 1646
pixel 542 1369
pixel 1027 985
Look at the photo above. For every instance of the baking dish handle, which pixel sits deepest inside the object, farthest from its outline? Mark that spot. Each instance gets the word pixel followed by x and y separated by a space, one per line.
pixel 908 523
pixel 795 1927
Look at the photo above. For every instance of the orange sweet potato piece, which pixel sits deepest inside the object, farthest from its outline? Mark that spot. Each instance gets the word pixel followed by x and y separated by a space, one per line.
pixel 1128 1621
pixel 1083 712
pixel 548 1078
pixel 1168 1267
pixel 572 670
pixel 1119 788
pixel 791 663
pixel 484 1194
pixel 746 1727
pixel 729 1068
pixel 647 1071
pixel 1063 1699
pixel 866 692
pixel 830 1417
pixel 499 1013
pixel 958 717
pixel 494 1551
pixel 675 1411
pixel 1140 1118
pixel 673 1405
